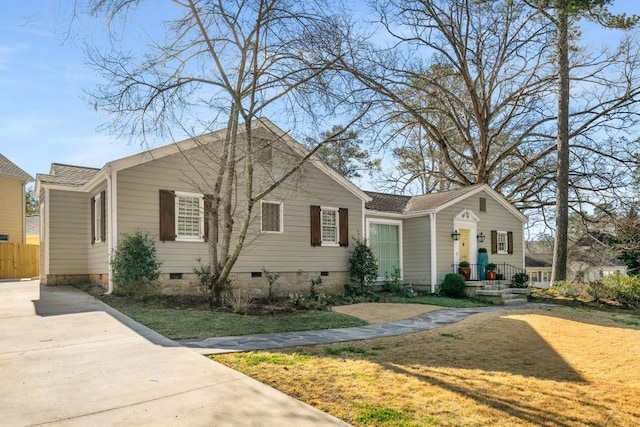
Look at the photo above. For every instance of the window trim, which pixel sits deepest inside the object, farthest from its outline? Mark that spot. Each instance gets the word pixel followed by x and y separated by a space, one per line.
pixel 200 198
pixel 336 211
pixel 280 214
pixel 97 217
pixel 504 251
pixel 399 223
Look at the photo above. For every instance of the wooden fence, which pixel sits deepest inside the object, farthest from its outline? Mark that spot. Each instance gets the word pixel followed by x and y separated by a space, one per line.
pixel 19 261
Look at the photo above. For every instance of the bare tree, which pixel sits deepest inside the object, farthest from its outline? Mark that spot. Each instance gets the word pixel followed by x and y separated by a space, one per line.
pixel 344 153
pixel 470 80
pixel 222 63
pixel 563 14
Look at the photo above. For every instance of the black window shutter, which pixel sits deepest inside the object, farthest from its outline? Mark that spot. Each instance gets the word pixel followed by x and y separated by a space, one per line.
pixel 343 222
pixel 103 216
pixel 316 239
pixel 167 215
pixel 93 220
pixel 494 242
pixel 510 242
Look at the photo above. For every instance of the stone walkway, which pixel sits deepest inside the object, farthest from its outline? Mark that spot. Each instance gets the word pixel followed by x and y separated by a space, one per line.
pixel 427 321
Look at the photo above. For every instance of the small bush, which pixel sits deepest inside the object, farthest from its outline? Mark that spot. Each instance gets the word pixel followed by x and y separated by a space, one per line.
pixel 211 286
pixel 625 290
pixel 520 280
pixel 135 265
pixel 363 267
pixel 240 301
pixel 566 289
pixel 598 291
pixel 453 286
pixel 272 281
pixel 392 282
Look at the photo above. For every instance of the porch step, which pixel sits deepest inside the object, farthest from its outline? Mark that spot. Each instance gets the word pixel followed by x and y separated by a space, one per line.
pixel 508 296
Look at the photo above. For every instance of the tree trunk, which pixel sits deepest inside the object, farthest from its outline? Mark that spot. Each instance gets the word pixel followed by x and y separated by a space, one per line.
pixel 559 270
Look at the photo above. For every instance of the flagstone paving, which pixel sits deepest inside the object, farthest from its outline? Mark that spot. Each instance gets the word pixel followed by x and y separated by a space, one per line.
pixel 424 322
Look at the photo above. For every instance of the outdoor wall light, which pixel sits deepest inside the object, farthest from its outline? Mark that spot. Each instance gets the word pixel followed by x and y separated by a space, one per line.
pixel 481 237
pixel 455 235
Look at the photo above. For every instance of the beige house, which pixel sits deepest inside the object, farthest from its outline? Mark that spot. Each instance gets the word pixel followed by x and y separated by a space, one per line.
pixel 13 181
pixel 302 230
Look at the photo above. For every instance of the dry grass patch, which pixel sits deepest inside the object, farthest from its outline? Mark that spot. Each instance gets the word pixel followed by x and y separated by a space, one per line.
pixel 374 313
pixel 556 367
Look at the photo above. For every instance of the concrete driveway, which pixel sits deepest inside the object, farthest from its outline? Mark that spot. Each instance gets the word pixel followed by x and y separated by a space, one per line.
pixel 66 359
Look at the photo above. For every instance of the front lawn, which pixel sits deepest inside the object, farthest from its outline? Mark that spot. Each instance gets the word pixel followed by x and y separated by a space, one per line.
pixel 198 321
pixel 552 367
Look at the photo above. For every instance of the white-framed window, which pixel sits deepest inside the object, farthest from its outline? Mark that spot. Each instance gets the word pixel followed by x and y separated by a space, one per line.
pixel 97 217
pixel 502 240
pixel 385 241
pixel 5 238
pixel 189 216
pixel 271 220
pixel 329 226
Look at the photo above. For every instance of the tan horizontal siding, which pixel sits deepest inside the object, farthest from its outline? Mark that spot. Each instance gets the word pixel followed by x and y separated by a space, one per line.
pixel 416 253
pixel 12 214
pixel 138 208
pixel 97 253
pixel 68 232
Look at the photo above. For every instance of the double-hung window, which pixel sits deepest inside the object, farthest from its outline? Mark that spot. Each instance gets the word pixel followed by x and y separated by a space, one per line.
pixel 502 242
pixel 329 226
pixel 271 217
pixel 189 211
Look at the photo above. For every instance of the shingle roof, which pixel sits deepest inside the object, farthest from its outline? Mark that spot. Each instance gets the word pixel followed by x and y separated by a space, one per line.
pixel 387 202
pixel 8 168
pixel 432 201
pixel 406 204
pixel 74 176
pixel 538 260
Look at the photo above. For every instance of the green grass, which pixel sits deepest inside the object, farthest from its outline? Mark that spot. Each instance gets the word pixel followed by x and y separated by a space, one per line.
pixel 203 323
pixel 438 300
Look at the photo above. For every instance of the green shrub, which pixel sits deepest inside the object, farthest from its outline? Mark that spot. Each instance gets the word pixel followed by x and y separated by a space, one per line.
pixel 598 291
pixel 211 286
pixel 363 267
pixel 392 282
pixel 453 286
pixel 135 265
pixel 520 280
pixel 625 290
pixel 566 289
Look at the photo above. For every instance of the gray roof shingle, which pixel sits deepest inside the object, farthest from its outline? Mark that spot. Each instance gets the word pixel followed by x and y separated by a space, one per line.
pixel 73 176
pixel 406 204
pixel 8 168
pixel 387 202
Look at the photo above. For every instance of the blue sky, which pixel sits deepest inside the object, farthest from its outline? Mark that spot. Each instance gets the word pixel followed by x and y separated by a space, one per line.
pixel 43 118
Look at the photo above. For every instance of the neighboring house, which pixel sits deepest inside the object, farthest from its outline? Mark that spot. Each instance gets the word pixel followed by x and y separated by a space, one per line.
pixel 33 230
pixel 13 181
pixel 589 259
pixel 302 230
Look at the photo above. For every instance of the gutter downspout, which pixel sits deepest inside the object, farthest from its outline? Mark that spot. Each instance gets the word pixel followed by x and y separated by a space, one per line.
pixel 111 195
pixel 434 255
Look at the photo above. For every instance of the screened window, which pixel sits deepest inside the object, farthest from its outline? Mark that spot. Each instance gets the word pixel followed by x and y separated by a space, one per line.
pixel 329 226
pixel 384 240
pixel 502 242
pixel 271 217
pixel 189 216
